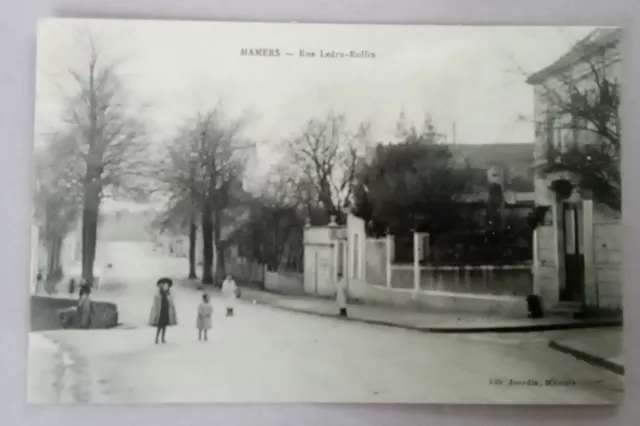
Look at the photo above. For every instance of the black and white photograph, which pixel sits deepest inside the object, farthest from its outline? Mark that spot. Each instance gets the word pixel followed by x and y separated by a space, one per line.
pixel 249 212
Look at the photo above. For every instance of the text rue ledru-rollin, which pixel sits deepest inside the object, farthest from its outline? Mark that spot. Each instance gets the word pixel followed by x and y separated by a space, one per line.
pixel 308 54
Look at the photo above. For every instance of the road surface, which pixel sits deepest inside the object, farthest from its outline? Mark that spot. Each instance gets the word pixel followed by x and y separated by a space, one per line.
pixel 268 355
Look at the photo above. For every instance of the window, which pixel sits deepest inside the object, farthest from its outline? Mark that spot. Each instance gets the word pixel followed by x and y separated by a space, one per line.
pixel 579 132
pixel 567 124
pixel 561 132
pixel 592 135
pixel 550 131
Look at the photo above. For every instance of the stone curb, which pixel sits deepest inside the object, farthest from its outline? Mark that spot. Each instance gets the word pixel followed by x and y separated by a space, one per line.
pixel 588 358
pixel 461 329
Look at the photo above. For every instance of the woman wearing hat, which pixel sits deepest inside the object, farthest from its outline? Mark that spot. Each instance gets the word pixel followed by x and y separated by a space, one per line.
pixel 163 310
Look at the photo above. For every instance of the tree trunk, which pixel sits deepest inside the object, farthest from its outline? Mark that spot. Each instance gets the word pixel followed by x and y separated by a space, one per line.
pixel 193 234
pixel 51 258
pixel 217 231
pixel 207 245
pixel 55 246
pixel 53 264
pixel 89 232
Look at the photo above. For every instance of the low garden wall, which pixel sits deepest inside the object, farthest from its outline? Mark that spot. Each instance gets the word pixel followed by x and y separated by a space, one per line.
pixel 507 280
pixel 53 313
pixel 482 304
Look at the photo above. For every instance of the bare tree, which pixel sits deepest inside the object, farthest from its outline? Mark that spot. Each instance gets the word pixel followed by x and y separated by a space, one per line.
pixel 581 121
pixel 109 138
pixel 324 155
pixel 180 217
pixel 589 113
pixel 205 166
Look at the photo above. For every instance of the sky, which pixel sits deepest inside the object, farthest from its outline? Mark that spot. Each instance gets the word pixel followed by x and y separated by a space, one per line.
pixel 469 77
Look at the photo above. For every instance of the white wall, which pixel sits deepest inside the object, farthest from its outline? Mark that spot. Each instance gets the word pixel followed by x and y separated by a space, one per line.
pixel 357 240
pixel 607 245
pixel 318 269
pixel 547 274
pixel 317 235
pixel 319 261
pixel 581 75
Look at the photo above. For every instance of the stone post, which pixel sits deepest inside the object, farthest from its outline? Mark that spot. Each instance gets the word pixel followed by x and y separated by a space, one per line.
pixel 416 262
pixel 388 258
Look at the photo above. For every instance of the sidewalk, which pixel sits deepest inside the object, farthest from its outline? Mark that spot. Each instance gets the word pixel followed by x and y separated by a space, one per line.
pixel 433 321
pixel 598 347
pixel 47 381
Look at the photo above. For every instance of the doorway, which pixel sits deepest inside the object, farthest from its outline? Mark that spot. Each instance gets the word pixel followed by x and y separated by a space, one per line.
pixel 572 289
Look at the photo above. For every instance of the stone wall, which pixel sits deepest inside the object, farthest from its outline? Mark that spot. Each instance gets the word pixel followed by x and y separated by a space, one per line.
pixel 376 261
pixel 45 313
pixel 608 257
pixel 546 277
pixel 500 305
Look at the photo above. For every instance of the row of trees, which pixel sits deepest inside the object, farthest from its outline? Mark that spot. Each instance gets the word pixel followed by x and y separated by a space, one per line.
pixel 204 175
pixel 202 179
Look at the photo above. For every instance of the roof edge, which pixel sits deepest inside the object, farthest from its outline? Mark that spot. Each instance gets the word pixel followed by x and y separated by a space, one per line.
pixel 600 38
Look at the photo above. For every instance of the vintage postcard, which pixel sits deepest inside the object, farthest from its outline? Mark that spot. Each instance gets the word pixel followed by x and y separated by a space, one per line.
pixel 279 212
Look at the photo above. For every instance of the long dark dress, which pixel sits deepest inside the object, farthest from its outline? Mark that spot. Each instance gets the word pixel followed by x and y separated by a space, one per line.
pixel 163 318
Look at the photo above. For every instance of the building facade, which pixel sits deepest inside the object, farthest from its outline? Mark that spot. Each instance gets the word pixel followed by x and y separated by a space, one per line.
pixel 577 245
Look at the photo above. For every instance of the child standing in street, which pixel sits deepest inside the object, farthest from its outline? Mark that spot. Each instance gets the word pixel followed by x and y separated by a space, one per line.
pixel 85 307
pixel 230 293
pixel 163 309
pixel 203 321
pixel 341 295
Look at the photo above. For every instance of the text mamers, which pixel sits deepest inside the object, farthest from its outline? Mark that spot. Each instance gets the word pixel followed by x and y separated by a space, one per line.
pixel 260 52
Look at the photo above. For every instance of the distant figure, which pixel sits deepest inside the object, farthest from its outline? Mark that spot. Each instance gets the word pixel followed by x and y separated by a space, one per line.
pixel 72 286
pixel 85 307
pixel 163 310
pixel 341 296
pixel 203 321
pixel 230 293
pixel 38 281
pixel 534 306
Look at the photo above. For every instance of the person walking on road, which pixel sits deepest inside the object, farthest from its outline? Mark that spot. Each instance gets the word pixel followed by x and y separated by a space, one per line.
pixel 230 293
pixel 341 296
pixel 203 322
pixel 38 281
pixel 85 307
pixel 163 310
